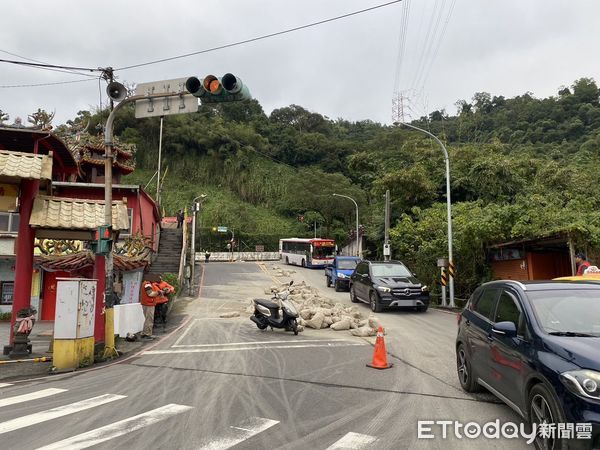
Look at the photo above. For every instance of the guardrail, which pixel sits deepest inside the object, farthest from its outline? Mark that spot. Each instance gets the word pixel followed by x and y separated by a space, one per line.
pixel 239 256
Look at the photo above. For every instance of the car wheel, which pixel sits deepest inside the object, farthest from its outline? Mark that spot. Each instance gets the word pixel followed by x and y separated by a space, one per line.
pixel 337 286
pixel 353 297
pixel 303 263
pixel 287 260
pixel 374 302
pixel 328 281
pixel 422 308
pixel 466 377
pixel 544 409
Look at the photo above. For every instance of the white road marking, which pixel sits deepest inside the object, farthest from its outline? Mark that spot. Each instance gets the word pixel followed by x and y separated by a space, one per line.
pixel 5 385
pixel 300 341
pixel 353 441
pixel 245 430
pixel 32 419
pixel 102 434
pixel 32 396
pixel 185 332
pixel 258 347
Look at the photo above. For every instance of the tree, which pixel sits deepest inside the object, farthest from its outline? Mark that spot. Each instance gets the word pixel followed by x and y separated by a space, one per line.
pixel 41 118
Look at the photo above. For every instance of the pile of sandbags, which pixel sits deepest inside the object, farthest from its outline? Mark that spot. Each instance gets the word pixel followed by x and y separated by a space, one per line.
pixel 319 312
pixel 281 272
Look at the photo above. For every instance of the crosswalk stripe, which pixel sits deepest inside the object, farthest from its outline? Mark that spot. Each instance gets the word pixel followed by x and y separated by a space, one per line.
pixel 108 432
pixel 43 416
pixel 31 396
pixel 245 430
pixel 353 441
pixel 258 347
pixel 5 385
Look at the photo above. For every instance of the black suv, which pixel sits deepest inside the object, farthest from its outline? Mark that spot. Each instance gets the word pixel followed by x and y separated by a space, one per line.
pixel 387 284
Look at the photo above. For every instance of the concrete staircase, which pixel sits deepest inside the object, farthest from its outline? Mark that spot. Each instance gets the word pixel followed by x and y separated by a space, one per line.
pixel 169 251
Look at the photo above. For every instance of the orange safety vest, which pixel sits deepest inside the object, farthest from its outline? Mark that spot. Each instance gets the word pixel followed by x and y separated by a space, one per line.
pixel 145 299
pixel 162 298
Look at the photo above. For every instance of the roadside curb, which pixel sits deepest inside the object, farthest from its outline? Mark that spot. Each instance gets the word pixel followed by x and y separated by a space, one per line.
pixel 98 366
pixel 445 310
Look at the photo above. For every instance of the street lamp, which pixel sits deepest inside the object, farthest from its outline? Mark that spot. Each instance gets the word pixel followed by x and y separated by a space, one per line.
pixel 448 203
pixel 355 204
pixel 196 206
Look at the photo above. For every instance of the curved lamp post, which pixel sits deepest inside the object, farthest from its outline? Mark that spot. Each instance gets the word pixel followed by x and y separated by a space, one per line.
pixel 355 204
pixel 448 203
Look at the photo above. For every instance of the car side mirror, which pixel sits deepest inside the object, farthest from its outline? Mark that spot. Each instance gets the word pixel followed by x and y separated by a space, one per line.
pixel 506 329
pixel 364 275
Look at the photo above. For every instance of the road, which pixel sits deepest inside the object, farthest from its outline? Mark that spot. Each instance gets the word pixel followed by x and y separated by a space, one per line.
pixel 221 383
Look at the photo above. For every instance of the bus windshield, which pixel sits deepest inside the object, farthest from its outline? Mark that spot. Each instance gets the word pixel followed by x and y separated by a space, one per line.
pixel 323 252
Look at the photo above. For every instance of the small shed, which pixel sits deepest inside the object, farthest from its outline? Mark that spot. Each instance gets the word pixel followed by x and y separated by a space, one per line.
pixel 542 258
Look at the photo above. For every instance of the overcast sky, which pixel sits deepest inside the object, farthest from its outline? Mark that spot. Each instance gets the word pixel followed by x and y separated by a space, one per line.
pixel 344 69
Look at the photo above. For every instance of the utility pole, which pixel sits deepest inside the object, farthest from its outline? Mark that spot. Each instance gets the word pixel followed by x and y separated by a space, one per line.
pixel 386 241
pixel 159 161
pixel 196 205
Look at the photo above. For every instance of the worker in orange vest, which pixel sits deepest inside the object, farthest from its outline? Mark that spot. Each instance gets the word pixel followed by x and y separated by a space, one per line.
pixel 164 290
pixel 148 297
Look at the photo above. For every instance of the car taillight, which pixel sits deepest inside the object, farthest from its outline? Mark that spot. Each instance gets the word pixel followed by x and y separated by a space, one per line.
pixel 458 317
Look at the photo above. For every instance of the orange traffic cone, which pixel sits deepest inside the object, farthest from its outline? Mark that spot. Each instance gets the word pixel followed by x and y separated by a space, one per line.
pixel 380 355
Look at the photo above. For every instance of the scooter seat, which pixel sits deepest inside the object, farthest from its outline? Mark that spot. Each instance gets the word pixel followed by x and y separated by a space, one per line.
pixel 266 303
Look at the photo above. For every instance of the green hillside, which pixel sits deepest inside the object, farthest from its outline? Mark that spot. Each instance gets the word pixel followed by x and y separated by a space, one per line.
pixel 520 167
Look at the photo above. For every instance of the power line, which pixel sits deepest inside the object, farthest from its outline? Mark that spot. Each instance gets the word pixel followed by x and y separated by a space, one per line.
pixel 48 68
pixel 5 86
pixel 52 66
pixel 258 38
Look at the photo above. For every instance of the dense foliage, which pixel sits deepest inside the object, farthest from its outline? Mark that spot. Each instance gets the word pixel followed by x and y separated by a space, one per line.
pixel 520 167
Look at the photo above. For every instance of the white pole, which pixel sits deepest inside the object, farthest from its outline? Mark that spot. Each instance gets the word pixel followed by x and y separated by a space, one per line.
pixel 193 250
pixel 159 159
pixel 448 207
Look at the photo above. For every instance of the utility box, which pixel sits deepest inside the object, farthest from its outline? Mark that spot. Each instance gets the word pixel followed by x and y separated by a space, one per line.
pixel 74 323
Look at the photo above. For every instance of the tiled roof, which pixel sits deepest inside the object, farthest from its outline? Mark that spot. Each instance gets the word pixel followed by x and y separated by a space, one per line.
pixel 25 165
pixel 75 214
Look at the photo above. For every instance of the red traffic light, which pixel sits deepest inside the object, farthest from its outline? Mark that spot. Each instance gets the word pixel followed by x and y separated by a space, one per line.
pixel 212 84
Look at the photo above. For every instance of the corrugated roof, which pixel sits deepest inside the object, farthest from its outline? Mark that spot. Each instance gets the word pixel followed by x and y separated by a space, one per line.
pixel 25 165
pixel 75 214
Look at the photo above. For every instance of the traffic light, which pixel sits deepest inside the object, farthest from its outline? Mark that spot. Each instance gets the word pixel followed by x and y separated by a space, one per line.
pixel 102 243
pixel 211 89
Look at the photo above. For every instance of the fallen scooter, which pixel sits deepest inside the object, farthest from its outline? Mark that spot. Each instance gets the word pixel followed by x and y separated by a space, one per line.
pixel 279 312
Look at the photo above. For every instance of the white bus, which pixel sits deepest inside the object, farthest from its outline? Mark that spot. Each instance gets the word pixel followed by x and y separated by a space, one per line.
pixel 307 252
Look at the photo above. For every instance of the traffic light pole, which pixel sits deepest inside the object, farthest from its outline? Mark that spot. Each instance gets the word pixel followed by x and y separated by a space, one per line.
pixel 110 350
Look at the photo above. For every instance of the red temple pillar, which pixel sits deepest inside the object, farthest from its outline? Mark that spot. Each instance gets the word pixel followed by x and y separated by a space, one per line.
pixel 24 252
pixel 100 275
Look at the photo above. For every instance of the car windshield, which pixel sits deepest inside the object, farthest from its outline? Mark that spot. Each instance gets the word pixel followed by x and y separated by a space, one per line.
pixel 390 270
pixel 347 264
pixel 567 311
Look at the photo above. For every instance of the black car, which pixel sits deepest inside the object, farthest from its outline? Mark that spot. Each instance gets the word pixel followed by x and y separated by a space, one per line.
pixel 387 284
pixel 536 346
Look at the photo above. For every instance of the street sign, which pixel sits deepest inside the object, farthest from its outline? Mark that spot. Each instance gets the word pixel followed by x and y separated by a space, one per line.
pixel 222 229
pixel 164 106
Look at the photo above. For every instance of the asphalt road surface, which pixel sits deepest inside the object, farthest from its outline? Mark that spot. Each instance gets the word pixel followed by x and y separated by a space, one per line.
pixel 221 383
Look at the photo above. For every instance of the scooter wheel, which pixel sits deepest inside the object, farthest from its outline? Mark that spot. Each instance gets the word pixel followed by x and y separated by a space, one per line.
pixel 295 327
